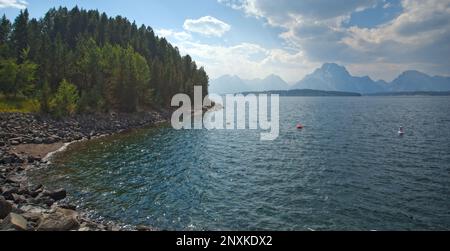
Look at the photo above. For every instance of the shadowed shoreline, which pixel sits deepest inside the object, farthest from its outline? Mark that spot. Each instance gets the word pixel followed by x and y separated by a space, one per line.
pixel 27 141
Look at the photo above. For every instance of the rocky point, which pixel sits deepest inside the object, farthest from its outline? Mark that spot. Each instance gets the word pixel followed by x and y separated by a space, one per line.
pixel 33 207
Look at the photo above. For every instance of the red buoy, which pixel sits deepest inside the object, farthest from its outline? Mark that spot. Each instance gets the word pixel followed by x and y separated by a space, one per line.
pixel 299 126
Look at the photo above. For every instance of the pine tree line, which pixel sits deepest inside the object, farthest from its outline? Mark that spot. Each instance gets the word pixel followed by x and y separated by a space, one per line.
pixel 99 62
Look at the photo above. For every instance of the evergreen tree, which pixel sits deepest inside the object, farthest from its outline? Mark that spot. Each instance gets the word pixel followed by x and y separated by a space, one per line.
pixel 20 34
pixel 8 74
pixel 44 98
pixel 5 30
pixel 26 77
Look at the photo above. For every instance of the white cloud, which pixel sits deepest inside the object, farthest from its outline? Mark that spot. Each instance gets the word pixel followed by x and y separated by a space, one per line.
pixel 19 4
pixel 181 35
pixel 418 38
pixel 387 5
pixel 247 60
pixel 207 25
pixel 420 35
pixel 313 32
pixel 286 12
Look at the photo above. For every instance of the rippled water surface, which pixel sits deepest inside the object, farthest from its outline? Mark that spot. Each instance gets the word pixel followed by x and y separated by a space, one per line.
pixel 347 170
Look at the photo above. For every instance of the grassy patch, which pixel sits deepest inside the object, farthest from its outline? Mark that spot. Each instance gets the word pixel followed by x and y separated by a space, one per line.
pixel 18 104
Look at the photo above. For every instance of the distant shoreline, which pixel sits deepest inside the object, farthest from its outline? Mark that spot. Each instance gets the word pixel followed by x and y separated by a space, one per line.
pixel 319 93
pixel 418 93
pixel 306 93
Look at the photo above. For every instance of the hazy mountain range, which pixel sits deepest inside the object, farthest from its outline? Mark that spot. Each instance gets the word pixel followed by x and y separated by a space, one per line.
pixel 333 77
pixel 233 84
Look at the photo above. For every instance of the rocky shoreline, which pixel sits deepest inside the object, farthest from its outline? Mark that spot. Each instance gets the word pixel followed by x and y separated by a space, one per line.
pixel 25 141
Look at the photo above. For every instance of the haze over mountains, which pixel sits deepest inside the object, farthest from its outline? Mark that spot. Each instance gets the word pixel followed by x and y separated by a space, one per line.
pixel 333 77
pixel 233 84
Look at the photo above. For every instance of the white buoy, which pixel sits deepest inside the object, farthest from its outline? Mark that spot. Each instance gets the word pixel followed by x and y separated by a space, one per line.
pixel 401 132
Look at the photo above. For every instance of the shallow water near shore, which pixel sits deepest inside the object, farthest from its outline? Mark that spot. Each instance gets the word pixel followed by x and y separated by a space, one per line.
pixel 346 170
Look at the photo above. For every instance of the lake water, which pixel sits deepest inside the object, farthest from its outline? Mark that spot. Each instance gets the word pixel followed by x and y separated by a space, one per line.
pixel 347 170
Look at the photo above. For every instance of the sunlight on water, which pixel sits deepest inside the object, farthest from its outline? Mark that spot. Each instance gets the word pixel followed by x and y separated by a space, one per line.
pixel 347 169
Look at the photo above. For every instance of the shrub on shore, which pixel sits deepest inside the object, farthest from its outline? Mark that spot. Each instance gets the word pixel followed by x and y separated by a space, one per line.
pixel 65 101
pixel 19 104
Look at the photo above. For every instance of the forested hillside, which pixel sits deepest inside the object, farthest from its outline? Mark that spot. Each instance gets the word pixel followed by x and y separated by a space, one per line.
pixel 84 61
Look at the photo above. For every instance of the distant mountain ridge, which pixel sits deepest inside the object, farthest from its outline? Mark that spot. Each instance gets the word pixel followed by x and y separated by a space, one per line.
pixel 333 77
pixel 233 84
pixel 418 81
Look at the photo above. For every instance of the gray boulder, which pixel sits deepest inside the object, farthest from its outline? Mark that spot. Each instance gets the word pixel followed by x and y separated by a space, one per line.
pixel 61 220
pixel 14 222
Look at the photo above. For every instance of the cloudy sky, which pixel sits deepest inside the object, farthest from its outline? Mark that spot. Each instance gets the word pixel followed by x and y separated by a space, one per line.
pixel 254 38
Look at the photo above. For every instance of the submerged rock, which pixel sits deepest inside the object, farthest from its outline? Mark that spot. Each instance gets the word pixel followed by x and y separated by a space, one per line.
pixel 57 194
pixel 68 206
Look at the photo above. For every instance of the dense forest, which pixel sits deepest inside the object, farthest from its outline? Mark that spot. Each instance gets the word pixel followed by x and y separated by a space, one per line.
pixel 84 61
